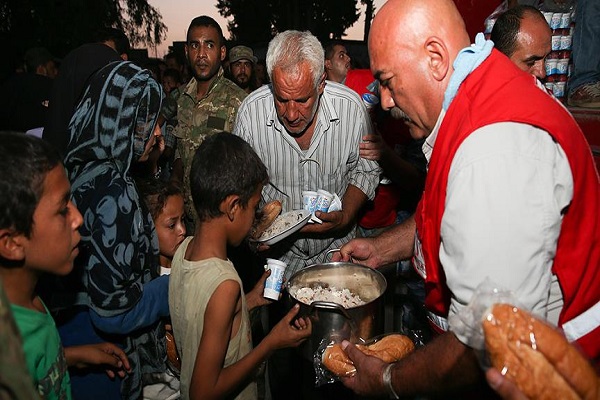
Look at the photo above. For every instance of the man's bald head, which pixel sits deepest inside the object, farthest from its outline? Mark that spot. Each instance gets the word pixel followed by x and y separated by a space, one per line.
pixel 412 45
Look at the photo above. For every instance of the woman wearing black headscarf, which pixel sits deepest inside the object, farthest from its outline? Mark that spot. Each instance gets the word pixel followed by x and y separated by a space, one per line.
pixel 123 297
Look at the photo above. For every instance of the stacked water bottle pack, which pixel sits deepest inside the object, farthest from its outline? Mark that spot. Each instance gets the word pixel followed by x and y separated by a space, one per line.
pixel 558 62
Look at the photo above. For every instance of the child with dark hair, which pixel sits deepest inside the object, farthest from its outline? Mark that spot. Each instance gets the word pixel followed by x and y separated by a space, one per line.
pixel 164 201
pixel 209 309
pixel 171 79
pixel 39 234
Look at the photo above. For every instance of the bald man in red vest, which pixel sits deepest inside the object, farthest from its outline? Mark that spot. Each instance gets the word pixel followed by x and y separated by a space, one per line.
pixel 511 194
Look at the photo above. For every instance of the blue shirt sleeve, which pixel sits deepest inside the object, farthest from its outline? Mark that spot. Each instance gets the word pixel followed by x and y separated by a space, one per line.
pixel 152 306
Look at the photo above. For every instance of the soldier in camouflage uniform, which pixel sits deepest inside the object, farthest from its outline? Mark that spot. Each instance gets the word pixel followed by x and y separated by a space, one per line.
pixel 207 104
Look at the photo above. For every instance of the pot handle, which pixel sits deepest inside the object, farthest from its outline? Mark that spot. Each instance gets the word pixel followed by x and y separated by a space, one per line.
pixel 329 306
pixel 329 252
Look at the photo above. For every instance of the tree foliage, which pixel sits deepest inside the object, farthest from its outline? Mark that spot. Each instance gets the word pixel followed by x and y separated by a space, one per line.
pixel 61 25
pixel 369 14
pixel 258 20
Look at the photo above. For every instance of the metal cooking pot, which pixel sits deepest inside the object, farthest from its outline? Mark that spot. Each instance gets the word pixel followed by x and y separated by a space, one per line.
pixel 330 320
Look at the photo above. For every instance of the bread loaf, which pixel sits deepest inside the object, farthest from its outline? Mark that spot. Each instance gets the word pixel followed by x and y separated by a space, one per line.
pixel 389 349
pixel 266 216
pixel 535 356
pixel 172 353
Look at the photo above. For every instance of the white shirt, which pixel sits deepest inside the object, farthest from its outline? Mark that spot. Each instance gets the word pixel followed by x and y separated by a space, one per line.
pixel 507 186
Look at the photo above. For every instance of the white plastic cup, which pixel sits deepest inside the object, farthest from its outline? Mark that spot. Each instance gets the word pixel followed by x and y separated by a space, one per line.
pixel 370 100
pixel 275 280
pixel 323 201
pixel 309 200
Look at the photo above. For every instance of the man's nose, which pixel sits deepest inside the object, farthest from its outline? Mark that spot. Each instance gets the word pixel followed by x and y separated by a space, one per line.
pixel 202 52
pixel 291 111
pixel 387 102
pixel 539 69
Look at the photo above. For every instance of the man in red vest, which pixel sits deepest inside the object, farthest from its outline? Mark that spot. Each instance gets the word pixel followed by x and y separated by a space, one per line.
pixel 511 194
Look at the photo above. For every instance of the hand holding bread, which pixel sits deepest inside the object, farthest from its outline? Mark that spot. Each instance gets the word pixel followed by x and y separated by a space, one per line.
pixel 537 357
pixel 389 349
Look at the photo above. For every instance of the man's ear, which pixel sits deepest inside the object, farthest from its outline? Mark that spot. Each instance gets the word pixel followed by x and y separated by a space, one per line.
pixel 11 245
pixel 322 83
pixel 327 65
pixel 223 52
pixel 438 58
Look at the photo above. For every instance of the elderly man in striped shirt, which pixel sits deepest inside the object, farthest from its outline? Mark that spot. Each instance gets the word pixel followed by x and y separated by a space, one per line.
pixel 307 131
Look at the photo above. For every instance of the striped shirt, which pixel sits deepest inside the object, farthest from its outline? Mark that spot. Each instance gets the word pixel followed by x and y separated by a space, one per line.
pixel 331 162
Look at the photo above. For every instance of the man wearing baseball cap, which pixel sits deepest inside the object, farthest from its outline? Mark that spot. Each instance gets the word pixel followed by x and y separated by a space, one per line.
pixel 241 67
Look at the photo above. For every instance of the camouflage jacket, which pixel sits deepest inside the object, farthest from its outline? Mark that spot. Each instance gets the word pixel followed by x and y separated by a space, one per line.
pixel 196 119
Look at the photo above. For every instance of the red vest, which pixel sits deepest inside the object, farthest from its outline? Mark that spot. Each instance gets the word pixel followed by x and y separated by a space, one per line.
pixel 498 92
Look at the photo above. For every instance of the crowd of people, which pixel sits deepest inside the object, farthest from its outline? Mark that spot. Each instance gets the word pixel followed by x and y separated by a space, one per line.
pixel 128 199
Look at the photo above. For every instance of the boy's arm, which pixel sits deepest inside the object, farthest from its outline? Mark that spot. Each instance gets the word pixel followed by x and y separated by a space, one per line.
pixel 207 377
pixel 100 354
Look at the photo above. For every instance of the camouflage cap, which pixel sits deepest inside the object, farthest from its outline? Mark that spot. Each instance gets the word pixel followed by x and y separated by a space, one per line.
pixel 242 53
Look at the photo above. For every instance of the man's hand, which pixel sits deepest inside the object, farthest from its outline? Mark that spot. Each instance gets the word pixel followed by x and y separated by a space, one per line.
pixel 372 147
pixel 362 250
pixel 332 222
pixel 394 244
pixel 369 371
pixel 505 388
pixel 100 354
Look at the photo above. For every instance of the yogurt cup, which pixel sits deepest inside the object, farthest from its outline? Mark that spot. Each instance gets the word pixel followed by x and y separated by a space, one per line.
pixel 562 66
pixel 274 282
pixel 323 201
pixel 559 89
pixel 555 20
pixel 309 200
pixel 551 66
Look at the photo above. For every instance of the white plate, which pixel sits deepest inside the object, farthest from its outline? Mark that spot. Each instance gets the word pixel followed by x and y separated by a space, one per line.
pixel 283 226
